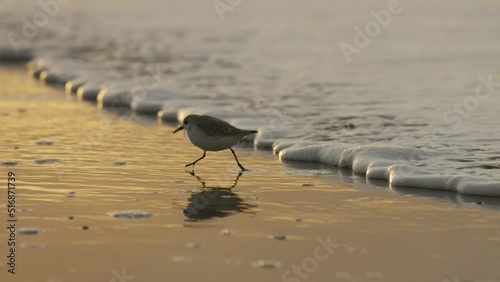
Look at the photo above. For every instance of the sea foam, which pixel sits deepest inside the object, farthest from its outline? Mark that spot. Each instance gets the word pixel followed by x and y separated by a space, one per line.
pixel 398 165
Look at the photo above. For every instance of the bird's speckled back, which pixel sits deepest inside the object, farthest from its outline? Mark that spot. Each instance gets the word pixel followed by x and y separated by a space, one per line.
pixel 217 127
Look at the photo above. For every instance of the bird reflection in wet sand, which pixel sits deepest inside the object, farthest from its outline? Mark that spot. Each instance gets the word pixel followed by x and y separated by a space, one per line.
pixel 214 202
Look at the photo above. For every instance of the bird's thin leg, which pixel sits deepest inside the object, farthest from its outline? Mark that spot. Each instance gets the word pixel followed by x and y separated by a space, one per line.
pixel 193 163
pixel 236 158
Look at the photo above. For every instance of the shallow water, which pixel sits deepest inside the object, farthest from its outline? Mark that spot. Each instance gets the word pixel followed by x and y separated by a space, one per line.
pixel 279 67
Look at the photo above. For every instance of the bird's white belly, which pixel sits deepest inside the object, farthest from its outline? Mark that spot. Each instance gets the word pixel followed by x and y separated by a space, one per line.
pixel 211 143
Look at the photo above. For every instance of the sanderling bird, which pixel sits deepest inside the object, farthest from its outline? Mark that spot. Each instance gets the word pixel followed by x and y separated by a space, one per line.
pixel 212 134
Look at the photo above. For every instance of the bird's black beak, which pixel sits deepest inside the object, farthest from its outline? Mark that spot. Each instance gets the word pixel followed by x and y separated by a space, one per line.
pixel 179 129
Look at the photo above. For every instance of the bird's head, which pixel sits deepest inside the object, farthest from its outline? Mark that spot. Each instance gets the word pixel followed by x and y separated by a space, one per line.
pixel 187 124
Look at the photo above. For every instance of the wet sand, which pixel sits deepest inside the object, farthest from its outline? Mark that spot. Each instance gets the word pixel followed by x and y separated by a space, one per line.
pixel 293 222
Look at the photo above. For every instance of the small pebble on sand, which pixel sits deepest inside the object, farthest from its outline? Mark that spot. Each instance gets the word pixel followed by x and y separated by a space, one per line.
pixel 29 231
pixel 306 184
pixel 279 236
pixel 45 143
pixel 9 163
pixel 131 214
pixel 45 161
pixel 193 245
pixel 225 232
pixel 33 245
pixel 266 264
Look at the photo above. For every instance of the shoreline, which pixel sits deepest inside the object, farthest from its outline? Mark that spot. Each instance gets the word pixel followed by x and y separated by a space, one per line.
pixel 396 167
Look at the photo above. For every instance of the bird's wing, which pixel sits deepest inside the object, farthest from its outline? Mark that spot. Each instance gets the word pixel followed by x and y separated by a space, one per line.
pixel 217 127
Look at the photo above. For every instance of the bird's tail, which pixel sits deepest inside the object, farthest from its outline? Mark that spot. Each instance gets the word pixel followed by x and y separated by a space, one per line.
pixel 248 132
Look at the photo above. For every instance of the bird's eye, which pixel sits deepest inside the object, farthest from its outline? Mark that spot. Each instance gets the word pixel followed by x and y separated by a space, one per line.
pixel 185 122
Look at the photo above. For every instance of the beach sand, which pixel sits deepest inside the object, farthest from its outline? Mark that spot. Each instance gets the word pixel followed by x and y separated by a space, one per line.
pixel 77 164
